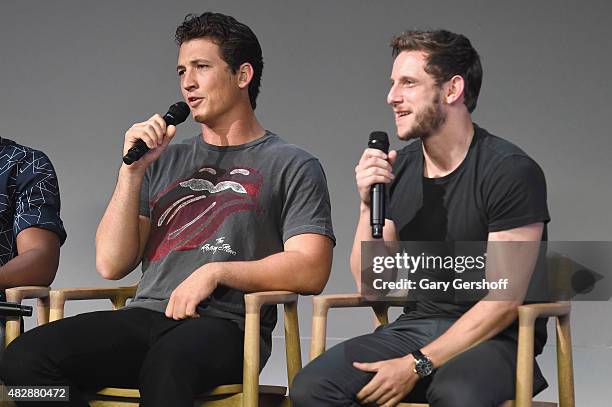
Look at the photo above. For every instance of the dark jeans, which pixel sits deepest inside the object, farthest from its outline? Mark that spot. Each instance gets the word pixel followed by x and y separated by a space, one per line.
pixel 168 361
pixel 481 376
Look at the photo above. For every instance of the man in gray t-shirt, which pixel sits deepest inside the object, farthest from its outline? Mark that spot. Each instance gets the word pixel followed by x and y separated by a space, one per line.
pixel 210 203
pixel 235 209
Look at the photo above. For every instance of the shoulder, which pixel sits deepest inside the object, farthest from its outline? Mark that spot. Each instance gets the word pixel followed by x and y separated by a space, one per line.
pixel 18 152
pixel 25 161
pixel 282 157
pixel 499 157
pixel 275 144
pixel 496 149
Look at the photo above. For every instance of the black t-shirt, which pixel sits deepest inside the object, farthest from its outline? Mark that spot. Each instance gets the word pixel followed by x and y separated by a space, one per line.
pixel 496 187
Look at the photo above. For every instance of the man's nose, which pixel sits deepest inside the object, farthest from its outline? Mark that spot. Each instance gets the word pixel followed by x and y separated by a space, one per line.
pixel 394 97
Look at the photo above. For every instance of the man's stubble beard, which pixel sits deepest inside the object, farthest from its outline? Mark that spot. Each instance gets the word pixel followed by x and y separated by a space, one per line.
pixel 426 122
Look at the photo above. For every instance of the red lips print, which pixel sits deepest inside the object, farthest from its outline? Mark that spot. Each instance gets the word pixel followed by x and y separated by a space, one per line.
pixel 190 211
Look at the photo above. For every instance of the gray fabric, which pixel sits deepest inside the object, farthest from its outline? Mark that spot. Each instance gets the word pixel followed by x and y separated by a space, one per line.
pixel 237 203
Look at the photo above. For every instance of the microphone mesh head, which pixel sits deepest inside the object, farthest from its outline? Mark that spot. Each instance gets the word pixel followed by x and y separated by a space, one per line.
pixel 379 140
pixel 177 113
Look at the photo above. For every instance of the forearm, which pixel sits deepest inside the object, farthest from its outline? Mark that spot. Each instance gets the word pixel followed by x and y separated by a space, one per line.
pixel 383 247
pixel 36 266
pixel 363 233
pixel 118 236
pixel 483 321
pixel 289 270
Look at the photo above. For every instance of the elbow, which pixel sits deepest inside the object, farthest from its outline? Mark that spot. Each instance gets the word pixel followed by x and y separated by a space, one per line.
pixel 316 282
pixel 45 279
pixel 47 265
pixel 107 270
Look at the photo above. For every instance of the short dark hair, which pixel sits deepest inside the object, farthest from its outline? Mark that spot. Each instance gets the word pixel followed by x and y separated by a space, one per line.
pixel 237 43
pixel 448 54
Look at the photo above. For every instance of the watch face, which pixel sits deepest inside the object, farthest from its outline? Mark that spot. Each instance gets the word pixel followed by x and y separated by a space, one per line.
pixel 423 366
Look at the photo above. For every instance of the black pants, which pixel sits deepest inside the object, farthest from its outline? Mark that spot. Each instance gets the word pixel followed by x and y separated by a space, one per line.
pixel 481 376
pixel 168 361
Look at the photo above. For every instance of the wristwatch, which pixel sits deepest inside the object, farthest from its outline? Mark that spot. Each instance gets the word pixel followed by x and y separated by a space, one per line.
pixel 422 364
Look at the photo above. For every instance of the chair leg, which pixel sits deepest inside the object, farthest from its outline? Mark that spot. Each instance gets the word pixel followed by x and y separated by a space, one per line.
pixel 42 310
pixel 524 369
pixel 13 329
pixel 251 360
pixel 292 338
pixel 564 362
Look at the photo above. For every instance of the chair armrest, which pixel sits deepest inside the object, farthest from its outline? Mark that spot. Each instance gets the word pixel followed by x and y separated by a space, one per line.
pixel 253 303
pixel 117 295
pixel 18 294
pixel 322 303
pixel 530 312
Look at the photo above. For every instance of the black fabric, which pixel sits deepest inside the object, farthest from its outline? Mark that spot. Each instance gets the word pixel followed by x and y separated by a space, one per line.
pixel 168 361
pixel 496 187
pixel 483 376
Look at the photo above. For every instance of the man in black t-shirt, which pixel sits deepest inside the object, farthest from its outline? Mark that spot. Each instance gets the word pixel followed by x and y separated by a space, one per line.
pixel 455 182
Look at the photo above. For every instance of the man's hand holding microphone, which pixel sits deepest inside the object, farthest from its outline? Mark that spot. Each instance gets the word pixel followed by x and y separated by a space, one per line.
pixel 372 173
pixel 145 141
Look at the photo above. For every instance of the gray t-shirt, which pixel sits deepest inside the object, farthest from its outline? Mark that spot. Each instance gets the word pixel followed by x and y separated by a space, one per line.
pixel 237 203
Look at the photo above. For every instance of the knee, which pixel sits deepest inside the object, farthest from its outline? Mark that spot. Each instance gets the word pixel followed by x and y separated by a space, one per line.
pixel 18 364
pixel 311 388
pixel 304 387
pixel 455 391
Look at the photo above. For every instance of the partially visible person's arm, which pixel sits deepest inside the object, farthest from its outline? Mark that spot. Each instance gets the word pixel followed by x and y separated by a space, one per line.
pixel 304 264
pixel 374 167
pixel 490 316
pixel 395 378
pixel 303 267
pixel 37 260
pixel 123 233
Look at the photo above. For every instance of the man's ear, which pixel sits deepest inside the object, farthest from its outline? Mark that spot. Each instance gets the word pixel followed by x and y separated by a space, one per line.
pixel 245 75
pixel 455 88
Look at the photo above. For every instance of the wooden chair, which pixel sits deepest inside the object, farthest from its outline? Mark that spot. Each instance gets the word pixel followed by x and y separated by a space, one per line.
pixel 246 394
pixel 527 314
pixel 17 295
pixel 524 369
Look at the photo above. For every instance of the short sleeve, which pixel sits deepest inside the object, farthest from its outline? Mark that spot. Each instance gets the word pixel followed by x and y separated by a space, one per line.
pixel 145 209
pixel 516 194
pixel 37 196
pixel 306 206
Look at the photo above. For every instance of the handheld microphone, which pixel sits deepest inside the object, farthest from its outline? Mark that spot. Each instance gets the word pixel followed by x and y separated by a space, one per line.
pixel 10 309
pixel 380 141
pixel 177 113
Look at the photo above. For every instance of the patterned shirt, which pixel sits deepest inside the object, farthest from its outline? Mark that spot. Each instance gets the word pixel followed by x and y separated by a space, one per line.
pixel 29 195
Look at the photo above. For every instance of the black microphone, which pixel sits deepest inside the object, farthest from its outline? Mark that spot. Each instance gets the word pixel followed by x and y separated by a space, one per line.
pixel 177 113
pixel 10 309
pixel 380 141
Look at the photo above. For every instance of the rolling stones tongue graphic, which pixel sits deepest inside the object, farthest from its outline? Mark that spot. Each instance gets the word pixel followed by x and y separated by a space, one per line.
pixel 189 212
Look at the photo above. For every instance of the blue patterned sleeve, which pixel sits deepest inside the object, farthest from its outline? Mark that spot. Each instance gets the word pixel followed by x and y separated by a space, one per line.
pixel 37 196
